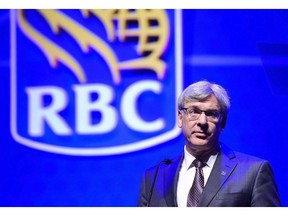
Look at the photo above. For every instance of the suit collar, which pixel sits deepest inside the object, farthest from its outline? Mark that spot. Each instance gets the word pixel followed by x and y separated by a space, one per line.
pixel 223 167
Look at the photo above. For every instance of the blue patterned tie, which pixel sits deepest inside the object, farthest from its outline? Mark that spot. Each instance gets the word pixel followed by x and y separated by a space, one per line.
pixel 198 184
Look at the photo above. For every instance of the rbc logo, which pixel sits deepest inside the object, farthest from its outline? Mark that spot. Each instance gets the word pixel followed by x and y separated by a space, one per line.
pixel 95 82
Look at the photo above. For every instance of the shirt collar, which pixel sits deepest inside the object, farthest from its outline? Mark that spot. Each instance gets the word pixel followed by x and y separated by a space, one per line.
pixel 188 159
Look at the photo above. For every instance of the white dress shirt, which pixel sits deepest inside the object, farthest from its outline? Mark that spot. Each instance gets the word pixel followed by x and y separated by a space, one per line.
pixel 186 176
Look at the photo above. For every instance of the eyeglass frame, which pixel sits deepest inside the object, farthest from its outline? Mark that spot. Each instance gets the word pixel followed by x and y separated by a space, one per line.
pixel 219 114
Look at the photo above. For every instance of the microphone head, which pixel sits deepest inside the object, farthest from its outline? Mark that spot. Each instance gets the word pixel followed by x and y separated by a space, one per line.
pixel 167 161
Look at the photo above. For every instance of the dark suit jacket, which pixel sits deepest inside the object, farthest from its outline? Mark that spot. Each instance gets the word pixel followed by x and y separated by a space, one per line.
pixel 235 180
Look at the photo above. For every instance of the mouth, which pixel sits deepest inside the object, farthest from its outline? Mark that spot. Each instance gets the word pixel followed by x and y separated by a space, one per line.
pixel 201 134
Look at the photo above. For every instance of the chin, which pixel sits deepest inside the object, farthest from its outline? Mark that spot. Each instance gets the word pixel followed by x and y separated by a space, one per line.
pixel 200 142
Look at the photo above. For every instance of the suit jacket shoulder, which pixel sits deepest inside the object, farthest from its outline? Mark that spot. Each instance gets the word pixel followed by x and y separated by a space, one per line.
pixel 159 183
pixel 239 179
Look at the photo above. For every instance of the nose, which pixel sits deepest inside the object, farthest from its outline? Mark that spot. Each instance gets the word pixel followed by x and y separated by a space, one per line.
pixel 202 119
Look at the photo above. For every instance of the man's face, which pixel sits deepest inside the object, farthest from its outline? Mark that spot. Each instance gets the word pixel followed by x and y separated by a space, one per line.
pixel 201 134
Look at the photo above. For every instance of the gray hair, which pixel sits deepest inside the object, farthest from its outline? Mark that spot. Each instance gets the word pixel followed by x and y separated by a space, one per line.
pixel 203 89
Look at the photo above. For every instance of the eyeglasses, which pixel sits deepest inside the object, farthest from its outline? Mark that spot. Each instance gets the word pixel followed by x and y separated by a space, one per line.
pixel 194 114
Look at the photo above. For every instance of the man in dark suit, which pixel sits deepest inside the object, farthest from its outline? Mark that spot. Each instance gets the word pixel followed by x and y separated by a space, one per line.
pixel 208 173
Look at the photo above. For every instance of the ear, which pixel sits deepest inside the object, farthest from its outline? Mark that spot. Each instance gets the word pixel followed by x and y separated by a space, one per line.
pixel 223 122
pixel 179 119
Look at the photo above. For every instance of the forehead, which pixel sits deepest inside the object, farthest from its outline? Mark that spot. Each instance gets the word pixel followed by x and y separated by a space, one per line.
pixel 209 102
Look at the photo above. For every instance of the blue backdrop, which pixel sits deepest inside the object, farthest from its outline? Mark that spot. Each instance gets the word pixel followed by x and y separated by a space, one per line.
pixel 246 51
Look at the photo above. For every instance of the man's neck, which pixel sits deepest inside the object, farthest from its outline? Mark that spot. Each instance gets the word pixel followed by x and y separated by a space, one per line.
pixel 203 154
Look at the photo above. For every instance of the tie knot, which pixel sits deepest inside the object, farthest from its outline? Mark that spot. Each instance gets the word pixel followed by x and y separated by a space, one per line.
pixel 198 164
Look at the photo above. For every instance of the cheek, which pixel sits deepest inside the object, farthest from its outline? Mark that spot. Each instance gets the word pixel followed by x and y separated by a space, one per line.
pixel 188 127
pixel 216 129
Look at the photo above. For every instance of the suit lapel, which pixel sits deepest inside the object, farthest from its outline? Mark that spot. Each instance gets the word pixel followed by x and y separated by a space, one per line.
pixel 170 179
pixel 222 169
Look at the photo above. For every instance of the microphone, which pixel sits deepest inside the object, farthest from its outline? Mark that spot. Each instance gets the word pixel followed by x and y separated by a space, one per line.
pixel 165 161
